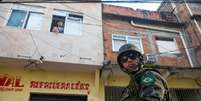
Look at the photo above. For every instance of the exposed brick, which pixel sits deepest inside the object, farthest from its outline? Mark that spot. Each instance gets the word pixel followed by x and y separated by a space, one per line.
pixel 114 26
pixel 198 55
pixel 146 44
pixel 110 55
pixel 140 13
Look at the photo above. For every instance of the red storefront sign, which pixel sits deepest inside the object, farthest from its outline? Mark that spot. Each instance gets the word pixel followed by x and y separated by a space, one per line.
pixel 14 83
pixel 10 83
pixel 60 85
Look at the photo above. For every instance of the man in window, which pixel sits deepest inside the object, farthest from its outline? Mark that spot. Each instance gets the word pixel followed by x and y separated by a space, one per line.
pixel 58 28
pixel 145 84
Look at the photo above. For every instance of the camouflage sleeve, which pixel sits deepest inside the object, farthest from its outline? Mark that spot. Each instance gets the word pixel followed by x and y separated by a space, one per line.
pixel 125 94
pixel 129 94
pixel 152 86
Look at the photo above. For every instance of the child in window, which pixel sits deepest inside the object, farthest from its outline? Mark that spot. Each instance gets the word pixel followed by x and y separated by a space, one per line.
pixel 59 28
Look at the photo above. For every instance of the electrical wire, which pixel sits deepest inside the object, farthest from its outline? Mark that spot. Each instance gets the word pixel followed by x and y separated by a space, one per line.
pixel 90 17
pixel 160 45
pixel 96 19
pixel 104 23
pixel 86 15
pixel 85 1
pixel 34 43
pixel 3 17
pixel 168 52
pixel 37 50
pixel 99 1
pixel 65 50
pixel 84 23
pixel 49 44
pixel 54 46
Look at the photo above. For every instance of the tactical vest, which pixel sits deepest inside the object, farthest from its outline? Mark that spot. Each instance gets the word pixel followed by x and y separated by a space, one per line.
pixel 146 85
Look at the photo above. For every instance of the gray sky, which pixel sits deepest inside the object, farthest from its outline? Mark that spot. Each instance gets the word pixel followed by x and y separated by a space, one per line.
pixel 147 6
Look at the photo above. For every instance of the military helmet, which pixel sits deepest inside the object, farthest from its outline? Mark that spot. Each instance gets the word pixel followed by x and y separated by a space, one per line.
pixel 126 48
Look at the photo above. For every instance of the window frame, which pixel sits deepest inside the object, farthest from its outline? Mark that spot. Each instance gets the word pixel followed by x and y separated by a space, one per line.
pixel 28 17
pixel 195 5
pixel 168 52
pixel 28 9
pixel 71 20
pixel 65 13
pixel 11 16
pixel 127 40
pixel 52 25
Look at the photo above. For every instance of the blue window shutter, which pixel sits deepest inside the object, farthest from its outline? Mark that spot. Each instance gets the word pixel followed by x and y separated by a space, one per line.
pixel 17 18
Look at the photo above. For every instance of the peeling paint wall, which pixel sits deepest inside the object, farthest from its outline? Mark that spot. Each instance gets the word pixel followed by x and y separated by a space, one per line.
pixel 86 48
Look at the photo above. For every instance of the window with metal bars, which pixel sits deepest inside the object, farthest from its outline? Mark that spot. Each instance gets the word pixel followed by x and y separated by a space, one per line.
pixel 54 97
pixel 185 94
pixel 113 93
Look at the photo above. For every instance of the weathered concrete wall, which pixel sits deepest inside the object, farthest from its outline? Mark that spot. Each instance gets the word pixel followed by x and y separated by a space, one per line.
pixel 86 48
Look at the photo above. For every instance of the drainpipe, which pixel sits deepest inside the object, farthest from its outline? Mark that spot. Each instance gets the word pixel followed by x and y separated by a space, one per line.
pixel 154 28
pixel 187 52
pixel 191 14
pixel 97 83
pixel 167 30
pixel 183 40
pixel 197 25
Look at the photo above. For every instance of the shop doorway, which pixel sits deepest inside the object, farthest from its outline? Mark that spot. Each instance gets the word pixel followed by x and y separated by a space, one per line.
pixel 114 94
pixel 54 97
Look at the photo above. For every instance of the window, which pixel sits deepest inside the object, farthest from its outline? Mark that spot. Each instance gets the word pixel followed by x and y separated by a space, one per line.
pixel 167 45
pixel 119 40
pixel 17 18
pixel 185 94
pixel 74 24
pixel 71 22
pixel 197 4
pixel 57 24
pixel 34 21
pixel 25 18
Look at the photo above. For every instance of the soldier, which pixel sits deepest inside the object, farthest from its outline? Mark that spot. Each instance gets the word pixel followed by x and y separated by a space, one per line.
pixel 145 84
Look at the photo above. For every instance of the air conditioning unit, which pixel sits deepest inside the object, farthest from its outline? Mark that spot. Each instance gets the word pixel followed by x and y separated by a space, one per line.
pixel 150 58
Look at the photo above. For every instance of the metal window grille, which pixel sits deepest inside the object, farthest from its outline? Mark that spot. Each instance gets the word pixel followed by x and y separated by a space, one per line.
pixel 185 94
pixel 114 93
pixel 54 97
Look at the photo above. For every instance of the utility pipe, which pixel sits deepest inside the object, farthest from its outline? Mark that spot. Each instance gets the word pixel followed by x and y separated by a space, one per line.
pixel 167 30
pixel 191 14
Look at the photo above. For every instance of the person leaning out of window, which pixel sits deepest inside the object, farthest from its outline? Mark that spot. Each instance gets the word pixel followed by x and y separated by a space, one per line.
pixel 58 28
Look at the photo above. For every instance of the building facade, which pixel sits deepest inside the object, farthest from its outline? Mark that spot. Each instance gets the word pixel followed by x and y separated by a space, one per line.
pixel 187 12
pixel 50 51
pixel 159 37
pixel 61 51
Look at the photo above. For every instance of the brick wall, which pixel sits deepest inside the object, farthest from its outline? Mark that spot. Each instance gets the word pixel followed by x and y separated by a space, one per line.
pixel 140 13
pixel 115 26
pixel 192 30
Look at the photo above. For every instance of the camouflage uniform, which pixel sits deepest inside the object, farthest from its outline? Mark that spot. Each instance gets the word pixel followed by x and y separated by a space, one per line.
pixel 145 84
